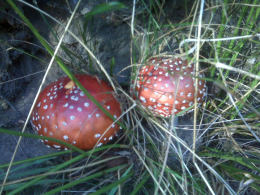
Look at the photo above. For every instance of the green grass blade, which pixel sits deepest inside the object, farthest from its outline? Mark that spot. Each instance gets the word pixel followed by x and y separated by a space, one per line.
pixel 114 184
pixel 36 158
pixel 84 179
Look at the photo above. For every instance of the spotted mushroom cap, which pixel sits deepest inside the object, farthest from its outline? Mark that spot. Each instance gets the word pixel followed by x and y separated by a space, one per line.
pixel 166 86
pixel 63 112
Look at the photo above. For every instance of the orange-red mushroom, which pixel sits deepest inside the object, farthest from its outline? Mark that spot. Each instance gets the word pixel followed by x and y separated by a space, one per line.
pixel 64 112
pixel 166 86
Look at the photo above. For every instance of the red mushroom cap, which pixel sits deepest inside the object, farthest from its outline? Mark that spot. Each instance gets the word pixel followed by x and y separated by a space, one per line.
pixel 64 112
pixel 165 84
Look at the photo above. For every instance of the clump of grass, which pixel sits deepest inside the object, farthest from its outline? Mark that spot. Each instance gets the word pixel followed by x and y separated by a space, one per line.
pixel 226 160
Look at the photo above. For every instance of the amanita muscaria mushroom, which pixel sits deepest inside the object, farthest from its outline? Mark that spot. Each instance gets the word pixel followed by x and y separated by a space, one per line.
pixel 166 86
pixel 64 112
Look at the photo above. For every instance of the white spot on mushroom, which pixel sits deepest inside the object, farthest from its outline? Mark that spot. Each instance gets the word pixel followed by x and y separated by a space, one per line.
pixel 51 134
pixel 155 85
pixel 71 107
pixel 187 85
pixel 100 144
pixel 72 117
pixel 76 91
pixel 66 96
pixel 159 104
pixel 181 77
pixel 45 130
pixel 51 97
pixel 178 68
pixel 48 94
pixel 152 100
pixel 184 101
pixel 39 104
pixel 155 77
pixel 51 105
pixel 189 94
pixel 79 109
pixel 64 123
pixel 143 99
pixel 74 142
pixel 166 74
pixel 97 135
pixel 74 98
pixel 65 137
pixel 44 100
pixel 56 146
pixel 86 104
pixel 182 93
pixel 166 85
pixel 45 107
pixel 170 96
pixel 110 138
pixel 89 116
pixel 42 117
pixel 108 107
pixel 191 103
pixel 160 79
pixel 198 98
pixel 183 107
pixel 81 93
pixel 160 72
pixel 176 101
pixel 97 115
